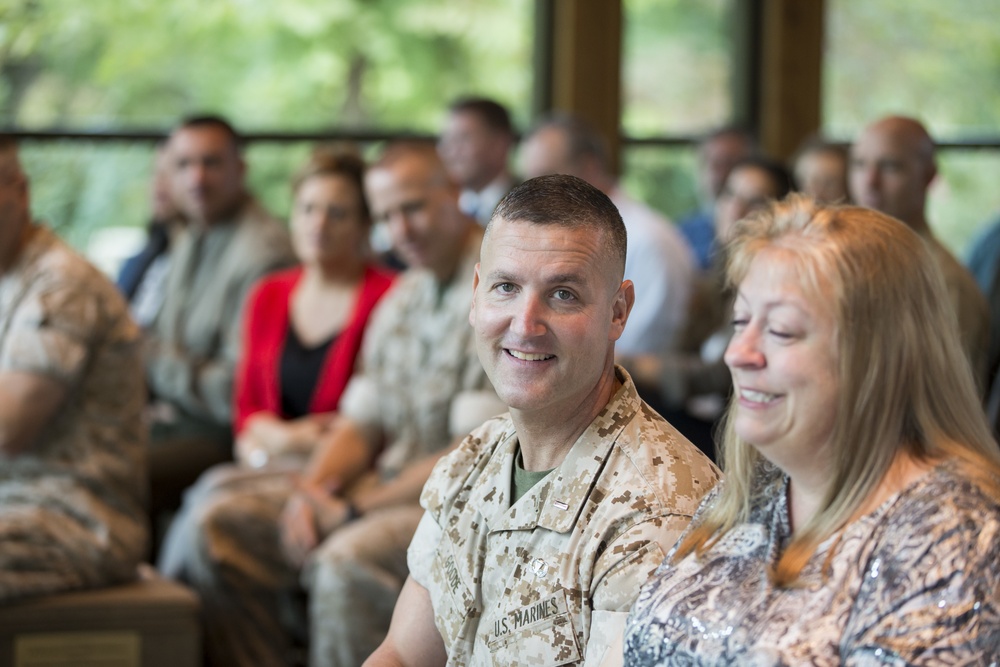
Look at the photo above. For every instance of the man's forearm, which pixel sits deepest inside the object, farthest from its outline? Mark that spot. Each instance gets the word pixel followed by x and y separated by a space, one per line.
pixel 340 459
pixel 404 488
pixel 385 656
pixel 28 402
pixel 202 387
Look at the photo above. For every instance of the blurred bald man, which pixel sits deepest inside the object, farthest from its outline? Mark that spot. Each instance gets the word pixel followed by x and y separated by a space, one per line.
pixel 891 170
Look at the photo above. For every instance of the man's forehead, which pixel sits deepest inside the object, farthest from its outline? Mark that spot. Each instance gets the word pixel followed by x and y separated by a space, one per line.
pixel 468 120
pixel 573 236
pixel 407 174
pixel 886 140
pixel 199 138
pixel 552 138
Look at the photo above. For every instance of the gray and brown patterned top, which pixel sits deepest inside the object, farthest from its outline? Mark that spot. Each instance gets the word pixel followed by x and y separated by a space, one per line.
pixel 916 582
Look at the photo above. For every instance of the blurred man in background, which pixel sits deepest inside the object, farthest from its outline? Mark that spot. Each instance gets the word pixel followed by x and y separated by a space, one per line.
pixel 229 242
pixel 657 259
pixel 475 146
pixel 891 170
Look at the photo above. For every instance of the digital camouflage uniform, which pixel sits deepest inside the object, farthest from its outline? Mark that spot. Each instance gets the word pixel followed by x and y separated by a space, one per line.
pixel 71 506
pixel 420 371
pixel 550 580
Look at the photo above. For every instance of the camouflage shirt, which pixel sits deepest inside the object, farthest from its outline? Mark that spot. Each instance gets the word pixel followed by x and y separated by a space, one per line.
pixel 550 580
pixel 421 383
pixel 61 318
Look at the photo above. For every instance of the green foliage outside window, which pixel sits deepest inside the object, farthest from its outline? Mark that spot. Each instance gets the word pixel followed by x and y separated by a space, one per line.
pixel 291 66
pixel 322 66
pixel 938 62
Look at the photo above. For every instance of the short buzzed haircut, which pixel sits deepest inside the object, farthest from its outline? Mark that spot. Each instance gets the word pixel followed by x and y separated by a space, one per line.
pixel 565 201
pixel 493 114
pixel 424 150
pixel 216 121
pixel 396 150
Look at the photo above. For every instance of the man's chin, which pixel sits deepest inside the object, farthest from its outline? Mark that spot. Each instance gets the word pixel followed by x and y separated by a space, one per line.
pixel 521 399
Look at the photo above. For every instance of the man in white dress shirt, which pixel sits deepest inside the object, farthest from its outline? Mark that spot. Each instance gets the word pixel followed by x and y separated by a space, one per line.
pixel 658 260
pixel 475 146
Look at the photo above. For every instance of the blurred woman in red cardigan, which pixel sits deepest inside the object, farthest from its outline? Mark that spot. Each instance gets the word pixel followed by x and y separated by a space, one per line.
pixel 303 326
pixel 302 332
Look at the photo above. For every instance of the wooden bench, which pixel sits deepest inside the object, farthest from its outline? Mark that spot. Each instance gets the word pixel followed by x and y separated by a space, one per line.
pixel 152 622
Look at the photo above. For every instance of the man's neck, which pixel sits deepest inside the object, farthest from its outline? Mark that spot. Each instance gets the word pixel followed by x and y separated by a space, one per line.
pixel 547 436
pixel 445 273
pixel 919 224
pixel 9 257
pixel 498 177
pixel 228 216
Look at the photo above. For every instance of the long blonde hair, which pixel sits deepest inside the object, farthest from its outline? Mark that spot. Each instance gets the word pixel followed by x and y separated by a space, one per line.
pixel 905 382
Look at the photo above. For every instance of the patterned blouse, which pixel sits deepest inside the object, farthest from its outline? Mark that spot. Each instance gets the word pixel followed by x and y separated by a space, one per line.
pixel 917 581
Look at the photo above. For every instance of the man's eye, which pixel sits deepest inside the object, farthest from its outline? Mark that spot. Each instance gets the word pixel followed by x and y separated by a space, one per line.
pixel 505 288
pixel 564 295
pixel 412 208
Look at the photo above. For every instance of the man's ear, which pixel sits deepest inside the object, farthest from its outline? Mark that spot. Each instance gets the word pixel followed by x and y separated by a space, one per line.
pixel 475 287
pixel 621 306
pixel 932 173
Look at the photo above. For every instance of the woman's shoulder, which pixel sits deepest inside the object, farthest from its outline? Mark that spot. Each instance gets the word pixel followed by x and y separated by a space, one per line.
pixel 930 585
pixel 949 490
pixel 378 279
pixel 945 514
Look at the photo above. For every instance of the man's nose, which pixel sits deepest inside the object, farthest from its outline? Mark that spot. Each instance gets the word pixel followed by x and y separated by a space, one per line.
pixel 528 319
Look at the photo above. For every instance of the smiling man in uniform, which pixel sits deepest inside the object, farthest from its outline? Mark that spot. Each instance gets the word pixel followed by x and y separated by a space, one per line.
pixel 540 528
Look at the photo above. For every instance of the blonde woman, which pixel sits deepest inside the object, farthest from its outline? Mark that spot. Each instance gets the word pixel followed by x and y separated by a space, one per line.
pixel 859 522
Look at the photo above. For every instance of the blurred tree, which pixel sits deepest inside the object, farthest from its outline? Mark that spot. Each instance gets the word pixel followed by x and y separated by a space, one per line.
pixel 294 65
pixel 297 65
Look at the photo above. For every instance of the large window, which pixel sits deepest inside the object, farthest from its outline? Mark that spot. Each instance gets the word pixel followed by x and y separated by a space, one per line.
pixel 303 65
pixel 677 71
pixel 295 66
pixel 939 62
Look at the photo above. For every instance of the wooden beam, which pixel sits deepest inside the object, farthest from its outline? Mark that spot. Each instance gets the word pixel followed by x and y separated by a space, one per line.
pixel 585 74
pixel 790 74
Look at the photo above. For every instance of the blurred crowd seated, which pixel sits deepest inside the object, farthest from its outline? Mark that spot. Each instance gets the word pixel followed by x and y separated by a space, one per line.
pixel 262 424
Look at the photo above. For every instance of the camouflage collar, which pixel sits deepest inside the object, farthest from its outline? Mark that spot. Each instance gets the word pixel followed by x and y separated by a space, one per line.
pixel 555 502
